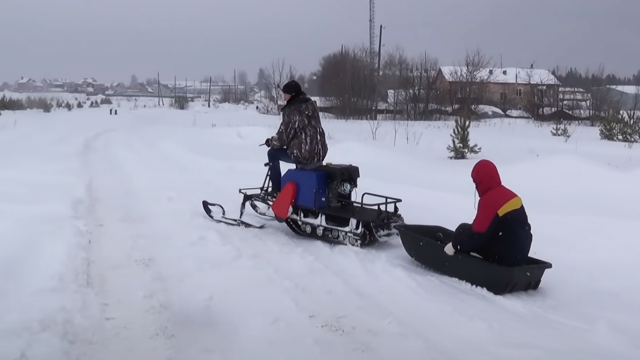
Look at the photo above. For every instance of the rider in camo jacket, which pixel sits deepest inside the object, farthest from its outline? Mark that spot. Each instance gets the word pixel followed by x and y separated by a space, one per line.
pixel 300 138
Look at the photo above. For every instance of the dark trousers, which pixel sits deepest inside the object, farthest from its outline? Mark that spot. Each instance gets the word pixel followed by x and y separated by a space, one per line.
pixel 275 175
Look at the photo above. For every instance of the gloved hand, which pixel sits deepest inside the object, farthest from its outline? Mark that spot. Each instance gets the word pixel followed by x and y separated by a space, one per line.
pixel 449 249
pixel 268 142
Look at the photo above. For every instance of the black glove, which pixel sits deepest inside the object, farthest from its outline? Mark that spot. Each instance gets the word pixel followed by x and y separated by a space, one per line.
pixel 268 142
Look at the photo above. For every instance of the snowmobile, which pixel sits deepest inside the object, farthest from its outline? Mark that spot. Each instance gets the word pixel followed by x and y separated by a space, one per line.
pixel 316 202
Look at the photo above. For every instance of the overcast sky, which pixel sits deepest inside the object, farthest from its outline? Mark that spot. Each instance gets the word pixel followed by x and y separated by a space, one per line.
pixel 113 39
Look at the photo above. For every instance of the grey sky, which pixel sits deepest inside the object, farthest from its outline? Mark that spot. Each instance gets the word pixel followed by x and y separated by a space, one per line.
pixel 113 39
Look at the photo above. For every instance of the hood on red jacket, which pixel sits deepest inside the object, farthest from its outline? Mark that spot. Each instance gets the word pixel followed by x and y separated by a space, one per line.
pixel 486 177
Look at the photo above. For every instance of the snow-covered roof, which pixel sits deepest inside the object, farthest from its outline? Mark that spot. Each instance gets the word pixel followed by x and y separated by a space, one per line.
pixel 89 80
pixel 629 89
pixel 505 75
pixel 29 81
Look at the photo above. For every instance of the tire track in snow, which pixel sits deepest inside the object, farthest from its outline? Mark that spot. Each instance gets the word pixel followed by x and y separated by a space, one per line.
pixel 230 341
pixel 122 267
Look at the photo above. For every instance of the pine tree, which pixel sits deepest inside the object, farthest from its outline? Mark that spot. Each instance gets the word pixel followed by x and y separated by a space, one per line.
pixel 560 129
pixel 610 127
pixel 629 130
pixel 460 146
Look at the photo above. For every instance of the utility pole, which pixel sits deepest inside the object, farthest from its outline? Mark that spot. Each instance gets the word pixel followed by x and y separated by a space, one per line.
pixel 372 31
pixel 209 103
pixel 377 78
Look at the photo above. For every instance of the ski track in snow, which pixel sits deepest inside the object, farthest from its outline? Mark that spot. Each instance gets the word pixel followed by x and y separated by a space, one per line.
pixel 125 272
pixel 157 280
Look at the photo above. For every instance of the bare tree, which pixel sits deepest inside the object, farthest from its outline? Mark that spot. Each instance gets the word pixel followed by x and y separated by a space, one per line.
pixel 229 95
pixel 421 87
pixel 302 80
pixel 469 82
pixel 346 80
pixel 541 91
pixel 275 76
pixel 244 85
pixel 292 73
pixel 243 77
pixel 633 108
pixel 600 96
pixel 395 77
pixel 631 127
pixel 261 82
pixel 508 100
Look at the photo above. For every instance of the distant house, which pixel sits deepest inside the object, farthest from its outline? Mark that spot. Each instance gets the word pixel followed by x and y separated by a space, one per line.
pixel 573 99
pixel 140 88
pixel 28 85
pixel 56 84
pixel 117 88
pixel 626 96
pixel 92 86
pixel 505 88
pixel 165 90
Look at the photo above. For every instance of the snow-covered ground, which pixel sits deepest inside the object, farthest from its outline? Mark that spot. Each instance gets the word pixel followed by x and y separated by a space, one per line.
pixel 105 252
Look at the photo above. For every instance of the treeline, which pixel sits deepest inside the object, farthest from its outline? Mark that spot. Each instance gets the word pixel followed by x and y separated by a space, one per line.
pixel 44 104
pixel 353 83
pixel 573 77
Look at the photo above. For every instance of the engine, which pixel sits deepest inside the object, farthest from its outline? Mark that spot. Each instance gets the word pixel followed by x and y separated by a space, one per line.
pixel 342 180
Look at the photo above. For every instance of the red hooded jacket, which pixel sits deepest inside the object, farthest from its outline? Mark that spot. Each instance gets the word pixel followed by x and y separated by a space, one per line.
pixel 500 231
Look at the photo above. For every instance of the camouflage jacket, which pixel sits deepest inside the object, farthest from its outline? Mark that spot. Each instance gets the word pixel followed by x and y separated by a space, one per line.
pixel 301 132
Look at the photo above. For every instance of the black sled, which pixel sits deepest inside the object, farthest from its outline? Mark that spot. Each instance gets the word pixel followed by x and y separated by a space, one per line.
pixel 425 244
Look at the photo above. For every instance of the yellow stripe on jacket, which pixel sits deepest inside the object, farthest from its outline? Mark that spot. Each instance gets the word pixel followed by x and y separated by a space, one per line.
pixel 513 204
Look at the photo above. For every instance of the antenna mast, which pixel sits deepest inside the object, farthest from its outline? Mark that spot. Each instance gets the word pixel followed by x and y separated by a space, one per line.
pixel 372 31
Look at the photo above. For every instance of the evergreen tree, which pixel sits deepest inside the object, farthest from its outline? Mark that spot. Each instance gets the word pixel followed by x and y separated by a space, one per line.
pixel 610 127
pixel 560 129
pixel 629 129
pixel 460 146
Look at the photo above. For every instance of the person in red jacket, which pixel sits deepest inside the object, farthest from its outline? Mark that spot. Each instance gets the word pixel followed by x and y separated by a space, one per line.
pixel 500 232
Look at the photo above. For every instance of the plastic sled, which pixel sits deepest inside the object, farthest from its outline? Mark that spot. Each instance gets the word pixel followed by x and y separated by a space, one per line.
pixel 425 244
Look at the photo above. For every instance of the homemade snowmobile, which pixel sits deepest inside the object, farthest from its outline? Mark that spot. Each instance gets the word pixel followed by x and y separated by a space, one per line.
pixel 316 202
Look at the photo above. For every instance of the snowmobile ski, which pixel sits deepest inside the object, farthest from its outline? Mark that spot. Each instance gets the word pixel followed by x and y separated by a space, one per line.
pixel 223 219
